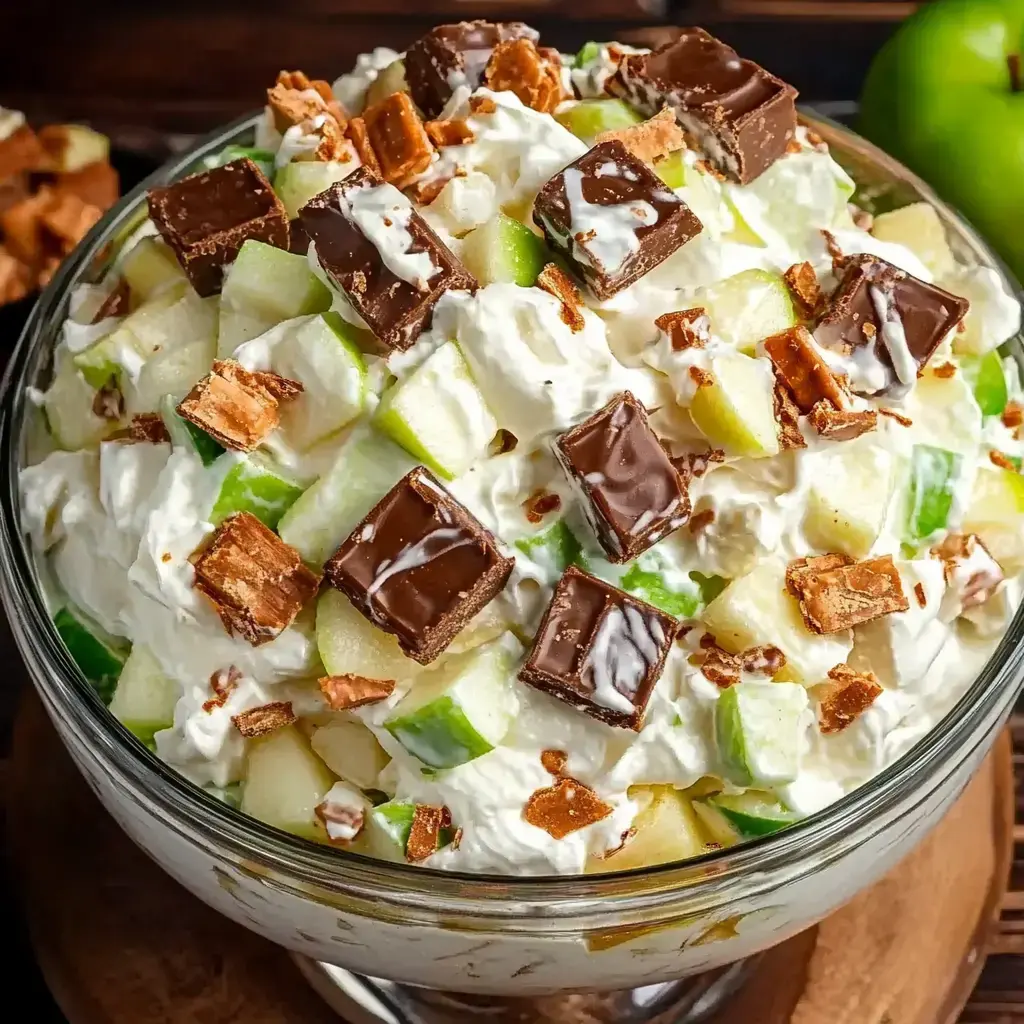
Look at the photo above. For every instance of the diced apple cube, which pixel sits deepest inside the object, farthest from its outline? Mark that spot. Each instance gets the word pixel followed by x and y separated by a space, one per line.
pixel 919 228
pixel 681 598
pixel 933 475
pixel 988 382
pixel 388 82
pixel 996 515
pixel 586 119
pixel 100 656
pixel 149 267
pixel 351 751
pixel 145 697
pixel 748 308
pixel 554 549
pixel 185 434
pixel 262 158
pixel 736 411
pixel 256 485
pixel 171 372
pixel 504 251
pixel 69 409
pixel 751 814
pixel 297 182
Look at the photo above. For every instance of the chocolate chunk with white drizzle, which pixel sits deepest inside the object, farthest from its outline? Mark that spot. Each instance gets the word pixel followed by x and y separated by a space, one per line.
pixel 600 649
pixel 884 325
pixel 383 255
pixel 633 494
pixel 419 566
pixel 612 218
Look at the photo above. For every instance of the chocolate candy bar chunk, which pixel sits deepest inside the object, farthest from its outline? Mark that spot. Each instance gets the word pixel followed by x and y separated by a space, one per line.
pixel 878 307
pixel 419 566
pixel 452 55
pixel 600 649
pixel 633 494
pixel 205 219
pixel 612 218
pixel 383 255
pixel 741 116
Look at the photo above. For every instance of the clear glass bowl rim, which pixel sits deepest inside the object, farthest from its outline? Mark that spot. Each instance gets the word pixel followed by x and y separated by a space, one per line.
pixel 68 692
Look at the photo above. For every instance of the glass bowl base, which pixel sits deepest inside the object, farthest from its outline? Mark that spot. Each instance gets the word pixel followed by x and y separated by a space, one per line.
pixel 362 1000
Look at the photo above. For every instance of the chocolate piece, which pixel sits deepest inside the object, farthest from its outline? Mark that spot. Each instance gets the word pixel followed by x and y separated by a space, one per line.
pixel 848 696
pixel 396 308
pixel 564 808
pixel 419 566
pixel 612 218
pixel 600 649
pixel 264 720
pixel 345 692
pixel 205 219
pixel 633 494
pixel 802 370
pixel 452 55
pixel 256 582
pixel 903 318
pixel 741 116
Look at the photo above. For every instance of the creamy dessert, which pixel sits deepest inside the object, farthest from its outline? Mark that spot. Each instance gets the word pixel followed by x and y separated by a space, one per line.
pixel 524 463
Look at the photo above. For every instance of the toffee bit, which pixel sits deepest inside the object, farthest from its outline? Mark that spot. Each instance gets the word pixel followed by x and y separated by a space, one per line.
pixel 945 370
pixel 518 66
pixel 482 105
pixel 265 719
pixel 449 133
pixel 687 328
pixel 556 282
pixel 650 140
pixel 787 415
pixel 554 761
pixel 903 421
pixel 765 659
pixel 540 504
pixel 222 682
pixel 850 695
pixel 425 832
pixel 803 286
pixel 1013 415
pixel 1002 461
pixel 694 465
pixel 832 246
pixel 841 424
pixel 564 808
pixel 702 378
pixel 347 691
pixel 922 597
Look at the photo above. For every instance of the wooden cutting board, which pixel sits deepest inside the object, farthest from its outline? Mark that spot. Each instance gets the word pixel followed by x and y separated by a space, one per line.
pixel 121 943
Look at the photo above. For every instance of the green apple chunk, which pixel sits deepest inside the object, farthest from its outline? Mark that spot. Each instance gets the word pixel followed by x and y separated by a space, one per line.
pixel 366 468
pixel 100 657
pixel 988 382
pixel 748 307
pixel 231 794
pixel 187 435
pixel 672 169
pixel 996 515
pixel 587 54
pixel 145 698
pixel 933 474
pixel 588 118
pixel 438 415
pixel 504 251
pixel 388 826
pixel 756 609
pixel 553 549
pixel 323 356
pixel 351 751
pixel 736 411
pixel 758 732
pixel 679 597
pixel 149 267
pixel 297 182
pixel 388 82
pixel 256 485
pixel 751 814
pixel 348 643
pixel 285 782
pixel 851 487
pixel 460 711
pixel 919 228
pixel 69 409
pixel 81 147
pixel 171 372
pixel 262 158
pixel 666 829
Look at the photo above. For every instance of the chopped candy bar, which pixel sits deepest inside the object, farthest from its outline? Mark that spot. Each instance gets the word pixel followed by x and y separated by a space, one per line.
pixel 724 669
pixel 95 184
pixel 802 370
pixel 600 649
pixel 236 406
pixel 517 66
pixel 633 494
pixel 205 219
pixel 302 82
pixel 383 255
pixel 425 832
pixel 787 415
pixel 450 56
pixel 612 218
pixel 555 281
pixel 851 694
pixel 256 582
pixel 904 319
pixel 687 328
pixel 657 137
pixel 348 691
pixel 145 427
pixel 21 151
pixel 836 594
pixel 308 110
pixel 398 139
pixel 564 808
pixel 265 719
pixel 803 285
pixel 360 140
pixel 21 227
pixel 67 220
pixel 741 116
pixel 342 813
pixel 970 570
pixel 419 566
pixel 841 424
pixel 15 278
pixel 115 304
pixel 449 133
pixel 13 190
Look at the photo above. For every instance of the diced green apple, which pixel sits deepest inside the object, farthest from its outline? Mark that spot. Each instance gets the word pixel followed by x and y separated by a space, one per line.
pixel 145 697
pixel 285 782
pixel 297 182
pixel 69 409
pixel 388 826
pixel 683 599
pixel 988 382
pixel 262 158
pixel 170 373
pixel 256 485
pixel 388 82
pixel 100 657
pixel 438 415
pixel 996 514
pixel 504 251
pixel 756 609
pixel 736 411
pixel 459 711
pixel 231 794
pixel 588 118
pixel 81 146
pixel 919 228
pixel 187 435
pixel 553 549
pixel 324 357
pixel 149 267
pixel 349 644
pixel 933 474
pixel 366 468
pixel 351 751
pixel 672 169
pixel 588 53
pixel 748 307
pixel 758 732
pixel 752 814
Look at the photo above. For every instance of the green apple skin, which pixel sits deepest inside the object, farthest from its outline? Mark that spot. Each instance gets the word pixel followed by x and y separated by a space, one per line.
pixel 933 472
pixel 99 659
pixel 257 487
pixel 940 98
pixel 588 118
pixel 988 382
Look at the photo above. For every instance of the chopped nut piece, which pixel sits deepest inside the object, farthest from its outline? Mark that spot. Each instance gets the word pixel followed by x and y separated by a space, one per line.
pixel 539 504
pixel 922 597
pixel 255 581
pixel 349 691
pixel 1002 461
pixel 554 761
pixel 657 137
pixel 15 278
pixel 843 595
pixel 236 406
pixel 959 550
pixel 265 719
pixel 903 421
pixel 556 282
pixel 841 424
pixel 396 135
pixel 803 286
pixel 802 370
pixel 356 133
pixel 688 328
pixel 108 402
pixel 851 694
pixel 517 66
pixel 1013 415
pixel 453 132
pixel 564 808
pixel 222 682
pixel 787 415
pixel 427 822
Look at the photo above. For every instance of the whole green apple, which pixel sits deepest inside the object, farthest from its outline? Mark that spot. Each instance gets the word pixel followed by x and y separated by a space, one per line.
pixel 944 96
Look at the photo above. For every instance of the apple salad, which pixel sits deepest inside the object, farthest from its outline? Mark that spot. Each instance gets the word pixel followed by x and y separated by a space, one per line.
pixel 527 463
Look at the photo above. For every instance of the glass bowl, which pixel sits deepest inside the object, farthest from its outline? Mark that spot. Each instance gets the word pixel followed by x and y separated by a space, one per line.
pixel 485 935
